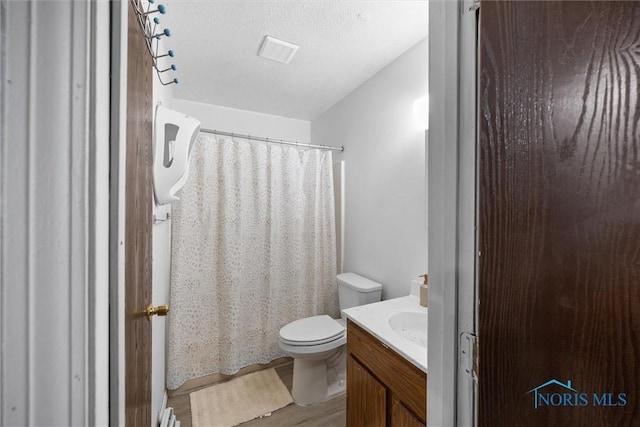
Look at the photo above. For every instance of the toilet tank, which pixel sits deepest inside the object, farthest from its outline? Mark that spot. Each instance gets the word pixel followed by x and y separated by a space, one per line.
pixel 355 290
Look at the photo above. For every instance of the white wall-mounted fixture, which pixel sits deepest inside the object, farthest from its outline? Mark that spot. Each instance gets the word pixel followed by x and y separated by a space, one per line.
pixel 277 50
pixel 175 134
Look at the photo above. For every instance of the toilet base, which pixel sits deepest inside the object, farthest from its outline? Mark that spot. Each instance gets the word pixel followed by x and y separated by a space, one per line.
pixel 318 380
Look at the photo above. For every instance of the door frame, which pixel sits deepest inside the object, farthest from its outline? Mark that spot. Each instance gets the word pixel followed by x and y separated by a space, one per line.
pixel 119 64
pixel 467 375
pixel 452 213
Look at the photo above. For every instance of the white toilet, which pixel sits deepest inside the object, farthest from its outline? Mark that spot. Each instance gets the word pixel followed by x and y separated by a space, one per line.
pixel 317 343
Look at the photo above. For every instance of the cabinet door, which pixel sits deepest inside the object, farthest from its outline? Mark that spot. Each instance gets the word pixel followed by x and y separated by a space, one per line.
pixel 366 397
pixel 402 417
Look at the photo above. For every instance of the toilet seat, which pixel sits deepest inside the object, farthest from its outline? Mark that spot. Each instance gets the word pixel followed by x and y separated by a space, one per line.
pixel 311 331
pixel 311 344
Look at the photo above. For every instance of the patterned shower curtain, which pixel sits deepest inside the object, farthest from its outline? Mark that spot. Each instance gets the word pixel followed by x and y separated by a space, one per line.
pixel 253 248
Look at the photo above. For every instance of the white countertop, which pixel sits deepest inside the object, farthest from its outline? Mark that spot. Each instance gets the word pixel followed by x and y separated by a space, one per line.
pixel 374 318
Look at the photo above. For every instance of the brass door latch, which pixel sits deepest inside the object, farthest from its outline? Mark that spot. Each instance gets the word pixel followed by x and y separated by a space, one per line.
pixel 160 310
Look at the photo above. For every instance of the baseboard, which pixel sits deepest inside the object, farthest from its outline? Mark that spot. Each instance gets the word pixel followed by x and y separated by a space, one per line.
pixel 162 407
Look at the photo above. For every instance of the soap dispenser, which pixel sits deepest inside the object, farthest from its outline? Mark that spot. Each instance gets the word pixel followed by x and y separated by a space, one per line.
pixel 424 291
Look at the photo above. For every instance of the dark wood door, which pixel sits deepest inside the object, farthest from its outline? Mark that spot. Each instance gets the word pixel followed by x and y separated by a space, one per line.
pixel 559 214
pixel 138 211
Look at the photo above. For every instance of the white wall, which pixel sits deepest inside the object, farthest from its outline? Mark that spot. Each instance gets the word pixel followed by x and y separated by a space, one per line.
pixel 161 268
pixel 53 264
pixel 385 191
pixel 245 122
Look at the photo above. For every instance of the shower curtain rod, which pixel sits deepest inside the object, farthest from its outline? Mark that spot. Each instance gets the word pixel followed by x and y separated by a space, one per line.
pixel 275 141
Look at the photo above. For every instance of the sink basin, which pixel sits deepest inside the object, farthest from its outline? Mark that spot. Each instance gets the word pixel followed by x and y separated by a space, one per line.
pixel 411 326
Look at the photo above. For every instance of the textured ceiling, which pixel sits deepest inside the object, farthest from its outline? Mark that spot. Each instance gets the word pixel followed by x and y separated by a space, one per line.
pixel 342 44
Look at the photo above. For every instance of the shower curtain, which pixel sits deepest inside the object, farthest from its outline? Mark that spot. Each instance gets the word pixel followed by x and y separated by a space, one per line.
pixel 253 248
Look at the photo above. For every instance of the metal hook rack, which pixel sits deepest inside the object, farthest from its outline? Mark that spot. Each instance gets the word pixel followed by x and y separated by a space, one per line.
pixel 148 27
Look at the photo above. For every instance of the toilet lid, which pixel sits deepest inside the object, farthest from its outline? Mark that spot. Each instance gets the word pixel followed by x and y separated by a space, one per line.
pixel 312 330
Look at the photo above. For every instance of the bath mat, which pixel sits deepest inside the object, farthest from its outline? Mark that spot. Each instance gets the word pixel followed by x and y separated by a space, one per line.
pixel 240 400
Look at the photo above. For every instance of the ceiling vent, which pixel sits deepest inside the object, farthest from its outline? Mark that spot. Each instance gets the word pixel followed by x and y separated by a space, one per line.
pixel 277 50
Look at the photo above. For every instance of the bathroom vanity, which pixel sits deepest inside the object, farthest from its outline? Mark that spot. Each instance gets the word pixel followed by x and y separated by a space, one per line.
pixel 386 364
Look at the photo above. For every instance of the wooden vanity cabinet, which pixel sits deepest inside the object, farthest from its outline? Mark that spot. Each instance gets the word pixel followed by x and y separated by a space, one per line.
pixel 383 388
pixel 402 417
